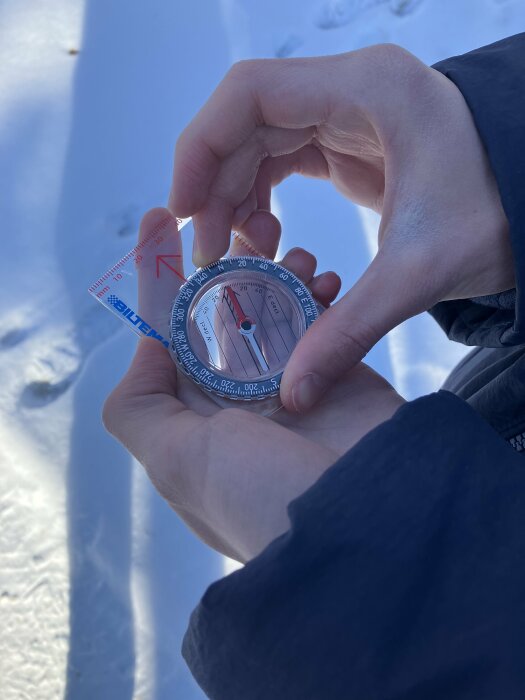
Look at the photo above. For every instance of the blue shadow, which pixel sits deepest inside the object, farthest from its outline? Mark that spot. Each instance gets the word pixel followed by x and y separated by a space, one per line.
pixel 134 59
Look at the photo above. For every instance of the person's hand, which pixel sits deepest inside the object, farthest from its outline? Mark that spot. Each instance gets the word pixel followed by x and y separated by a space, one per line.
pixel 230 473
pixel 391 134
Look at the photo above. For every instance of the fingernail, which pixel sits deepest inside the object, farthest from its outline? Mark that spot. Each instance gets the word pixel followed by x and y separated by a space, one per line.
pixel 306 392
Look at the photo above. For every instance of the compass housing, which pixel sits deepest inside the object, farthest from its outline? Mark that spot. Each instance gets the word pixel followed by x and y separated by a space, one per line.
pixel 235 323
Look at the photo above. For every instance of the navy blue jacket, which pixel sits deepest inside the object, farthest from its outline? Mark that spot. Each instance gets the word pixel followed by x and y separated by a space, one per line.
pixel 402 576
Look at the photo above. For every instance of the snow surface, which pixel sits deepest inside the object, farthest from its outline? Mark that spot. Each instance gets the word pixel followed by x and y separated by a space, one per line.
pixel 97 575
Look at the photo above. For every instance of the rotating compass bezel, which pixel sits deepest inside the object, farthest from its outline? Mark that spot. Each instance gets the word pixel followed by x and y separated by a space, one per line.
pixel 204 376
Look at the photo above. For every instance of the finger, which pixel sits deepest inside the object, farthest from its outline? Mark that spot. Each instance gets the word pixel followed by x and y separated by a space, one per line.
pixel 301 263
pixel 245 210
pixel 232 186
pixel 146 395
pixel 159 268
pixel 143 412
pixel 260 230
pixel 259 235
pixel 381 299
pixel 325 287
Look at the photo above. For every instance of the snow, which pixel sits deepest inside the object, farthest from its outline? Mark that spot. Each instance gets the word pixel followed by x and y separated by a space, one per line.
pixel 97 575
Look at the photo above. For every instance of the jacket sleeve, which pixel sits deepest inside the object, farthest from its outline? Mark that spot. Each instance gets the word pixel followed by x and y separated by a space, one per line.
pixel 492 81
pixel 401 577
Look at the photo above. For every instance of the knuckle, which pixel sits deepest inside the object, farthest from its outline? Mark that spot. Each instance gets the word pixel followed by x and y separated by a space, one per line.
pixel 388 52
pixel 352 342
pixel 244 70
pixel 394 62
pixel 259 143
pixel 390 57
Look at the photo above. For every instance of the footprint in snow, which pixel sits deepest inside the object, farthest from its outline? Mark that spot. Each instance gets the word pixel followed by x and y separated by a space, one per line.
pixel 58 369
pixel 337 13
pixel 125 222
pixel 289 45
pixel 403 7
pixel 51 374
pixel 13 337
pixel 40 393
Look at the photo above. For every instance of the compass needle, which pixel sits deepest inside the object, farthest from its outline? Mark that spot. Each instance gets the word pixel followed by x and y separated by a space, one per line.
pixel 249 334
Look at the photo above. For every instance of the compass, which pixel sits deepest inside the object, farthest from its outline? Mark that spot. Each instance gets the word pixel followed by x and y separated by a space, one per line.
pixel 235 323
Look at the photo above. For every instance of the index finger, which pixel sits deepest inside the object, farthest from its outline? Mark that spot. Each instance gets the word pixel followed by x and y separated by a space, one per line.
pixel 161 273
pixel 286 93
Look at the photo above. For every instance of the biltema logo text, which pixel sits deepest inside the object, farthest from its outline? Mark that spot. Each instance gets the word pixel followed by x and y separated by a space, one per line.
pixel 135 319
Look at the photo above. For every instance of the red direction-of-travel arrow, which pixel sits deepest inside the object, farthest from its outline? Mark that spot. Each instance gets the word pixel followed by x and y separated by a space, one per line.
pixel 164 259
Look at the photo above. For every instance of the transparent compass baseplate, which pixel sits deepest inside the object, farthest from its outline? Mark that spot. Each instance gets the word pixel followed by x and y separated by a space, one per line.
pixel 234 325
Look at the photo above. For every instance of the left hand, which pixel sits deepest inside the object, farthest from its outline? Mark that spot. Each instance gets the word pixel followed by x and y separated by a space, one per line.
pixel 230 473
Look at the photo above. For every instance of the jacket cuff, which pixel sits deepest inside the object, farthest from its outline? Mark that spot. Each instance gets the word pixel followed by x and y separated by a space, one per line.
pixel 492 81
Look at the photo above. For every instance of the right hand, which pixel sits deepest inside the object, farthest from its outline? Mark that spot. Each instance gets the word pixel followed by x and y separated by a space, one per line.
pixel 391 134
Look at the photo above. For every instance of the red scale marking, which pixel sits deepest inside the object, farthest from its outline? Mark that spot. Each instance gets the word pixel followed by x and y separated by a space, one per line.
pixel 132 253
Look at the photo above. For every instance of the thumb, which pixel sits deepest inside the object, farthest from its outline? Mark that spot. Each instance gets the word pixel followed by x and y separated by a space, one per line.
pixel 137 410
pixel 381 299
pixel 144 414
